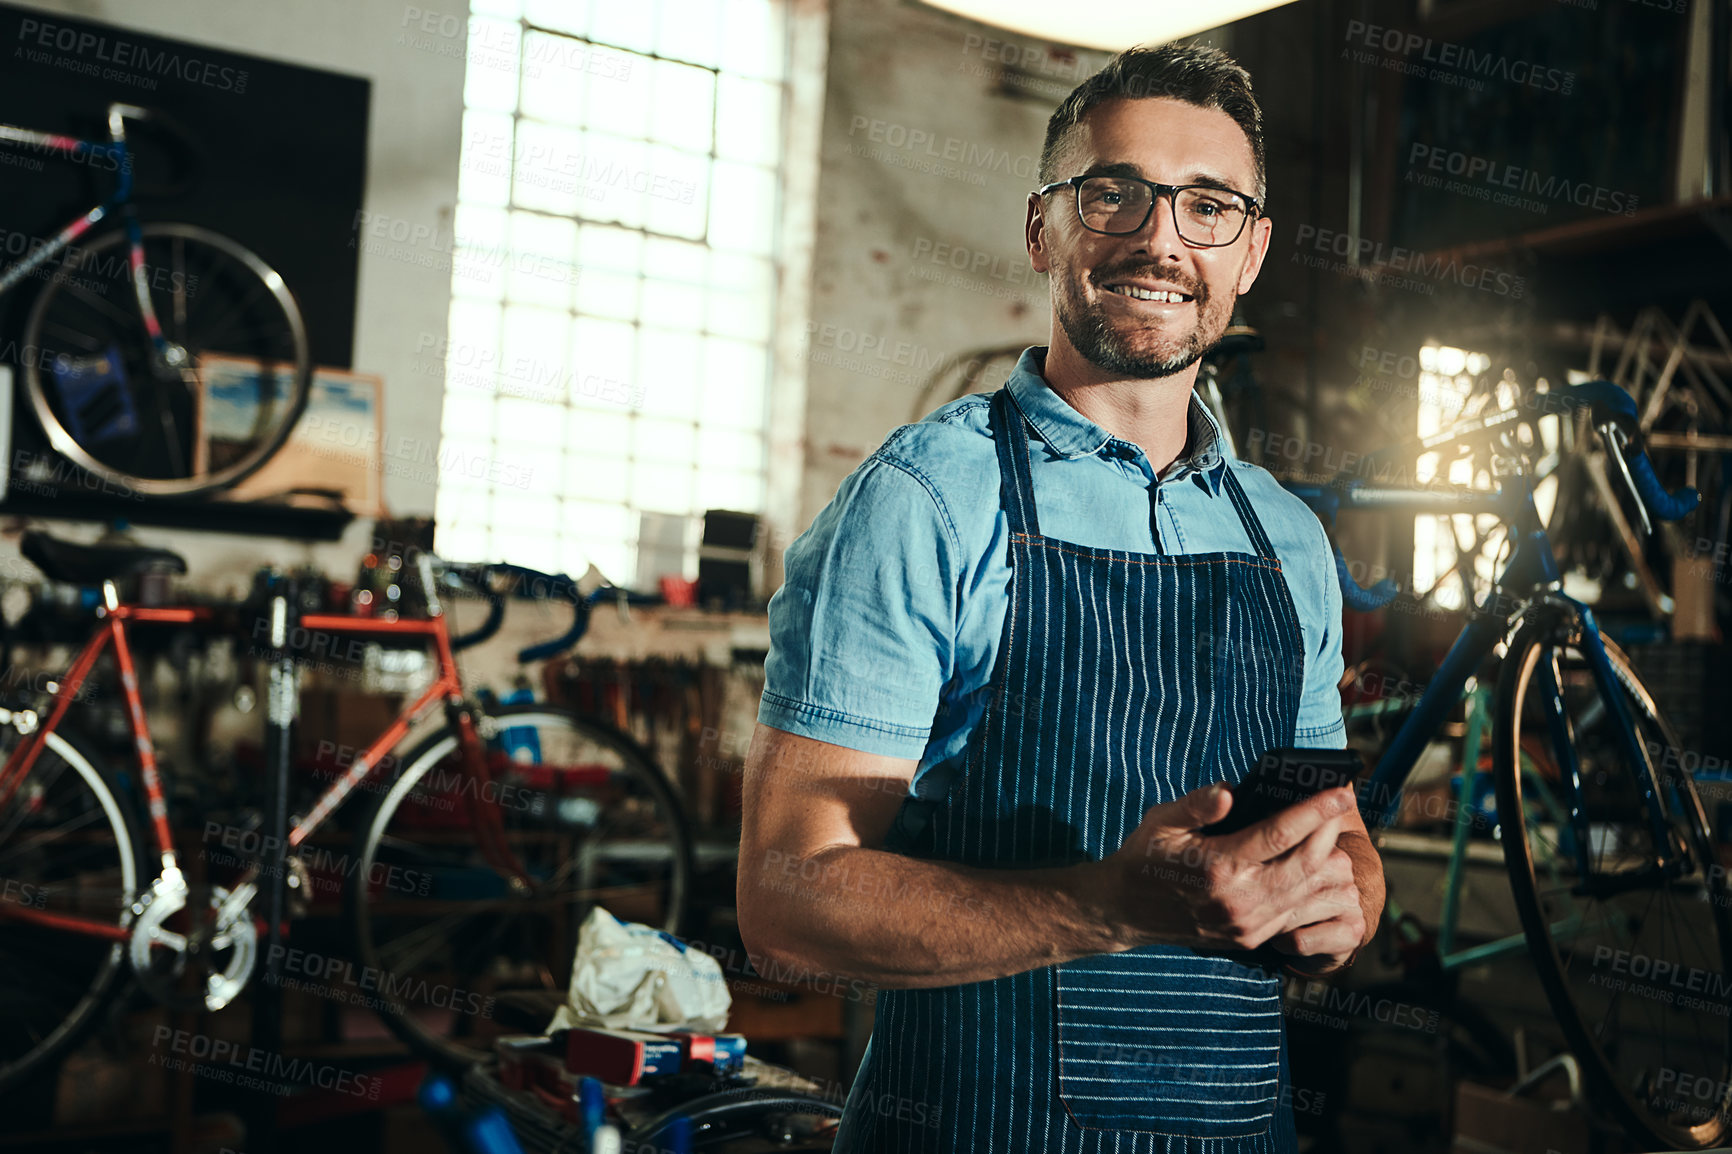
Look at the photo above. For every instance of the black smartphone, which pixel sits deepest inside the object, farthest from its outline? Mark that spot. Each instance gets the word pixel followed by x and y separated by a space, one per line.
pixel 1284 777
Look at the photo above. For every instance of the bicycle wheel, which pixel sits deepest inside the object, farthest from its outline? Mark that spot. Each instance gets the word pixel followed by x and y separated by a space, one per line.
pixel 1634 963
pixel 200 412
pixel 66 847
pixel 440 929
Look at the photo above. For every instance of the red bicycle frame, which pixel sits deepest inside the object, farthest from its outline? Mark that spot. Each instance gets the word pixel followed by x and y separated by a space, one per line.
pixel 447 687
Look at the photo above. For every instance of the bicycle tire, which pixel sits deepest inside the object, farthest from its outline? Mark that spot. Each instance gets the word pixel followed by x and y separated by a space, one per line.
pixel 281 340
pixel 728 1107
pixel 391 930
pixel 34 1030
pixel 1585 996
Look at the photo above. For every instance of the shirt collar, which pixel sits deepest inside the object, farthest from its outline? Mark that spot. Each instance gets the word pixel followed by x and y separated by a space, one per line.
pixel 1070 434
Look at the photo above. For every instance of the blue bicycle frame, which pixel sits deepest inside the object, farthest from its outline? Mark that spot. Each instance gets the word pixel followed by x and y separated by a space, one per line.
pixel 113 152
pixel 1532 573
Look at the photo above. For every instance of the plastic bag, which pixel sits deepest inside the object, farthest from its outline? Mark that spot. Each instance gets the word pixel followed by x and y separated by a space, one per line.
pixel 628 976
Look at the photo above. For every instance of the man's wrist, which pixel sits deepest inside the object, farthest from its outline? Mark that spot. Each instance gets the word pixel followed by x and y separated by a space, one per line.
pixel 1094 891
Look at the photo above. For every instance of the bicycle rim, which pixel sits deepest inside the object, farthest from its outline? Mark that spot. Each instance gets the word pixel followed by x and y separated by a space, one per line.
pixel 211 414
pixel 66 847
pixel 1638 980
pixel 441 930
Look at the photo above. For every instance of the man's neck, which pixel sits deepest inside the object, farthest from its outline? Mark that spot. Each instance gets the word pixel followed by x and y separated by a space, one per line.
pixel 1152 414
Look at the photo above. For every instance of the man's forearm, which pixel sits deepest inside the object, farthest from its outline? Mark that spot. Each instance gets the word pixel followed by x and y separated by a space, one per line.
pixel 901 922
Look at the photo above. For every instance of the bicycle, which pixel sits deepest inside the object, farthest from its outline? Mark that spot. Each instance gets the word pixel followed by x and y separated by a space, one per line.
pixel 121 349
pixel 487 842
pixel 1629 850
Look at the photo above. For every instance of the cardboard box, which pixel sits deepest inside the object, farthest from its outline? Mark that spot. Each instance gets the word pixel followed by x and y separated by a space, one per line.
pixel 1489 1121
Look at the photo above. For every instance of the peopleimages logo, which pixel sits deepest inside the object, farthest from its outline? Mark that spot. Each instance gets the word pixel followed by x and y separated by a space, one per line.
pixel 1454 61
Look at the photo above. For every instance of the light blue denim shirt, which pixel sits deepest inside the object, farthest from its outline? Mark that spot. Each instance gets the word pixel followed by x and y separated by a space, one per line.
pixel 886 630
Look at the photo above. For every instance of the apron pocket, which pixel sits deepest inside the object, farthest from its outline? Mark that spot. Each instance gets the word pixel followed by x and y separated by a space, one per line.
pixel 1166 1040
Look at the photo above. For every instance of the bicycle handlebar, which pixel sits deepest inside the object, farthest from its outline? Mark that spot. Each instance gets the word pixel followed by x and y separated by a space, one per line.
pixel 1612 407
pixel 1614 415
pixel 530 584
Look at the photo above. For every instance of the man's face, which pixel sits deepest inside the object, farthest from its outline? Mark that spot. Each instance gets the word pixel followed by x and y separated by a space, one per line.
pixel 1169 142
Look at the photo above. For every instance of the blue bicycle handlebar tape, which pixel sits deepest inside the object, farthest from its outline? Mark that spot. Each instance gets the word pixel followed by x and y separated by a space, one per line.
pixel 1362 600
pixel 548 586
pixel 1609 396
pixel 1666 506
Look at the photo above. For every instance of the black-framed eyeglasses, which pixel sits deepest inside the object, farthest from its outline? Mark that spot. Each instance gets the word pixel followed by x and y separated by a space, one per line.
pixel 1205 215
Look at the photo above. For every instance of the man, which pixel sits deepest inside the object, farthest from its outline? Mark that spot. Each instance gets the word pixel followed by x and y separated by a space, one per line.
pixel 1010 662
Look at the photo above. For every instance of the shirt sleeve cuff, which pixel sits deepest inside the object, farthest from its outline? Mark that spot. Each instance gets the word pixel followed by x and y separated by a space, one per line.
pixel 836 728
pixel 1329 736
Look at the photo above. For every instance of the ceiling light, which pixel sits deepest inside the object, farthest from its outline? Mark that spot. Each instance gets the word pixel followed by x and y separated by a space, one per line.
pixel 1107 27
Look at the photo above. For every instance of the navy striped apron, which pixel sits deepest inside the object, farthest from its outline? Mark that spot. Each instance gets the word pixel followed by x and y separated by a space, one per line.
pixel 1123 680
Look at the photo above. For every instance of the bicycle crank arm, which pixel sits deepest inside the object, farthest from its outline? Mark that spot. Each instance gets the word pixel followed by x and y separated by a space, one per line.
pixel 231 931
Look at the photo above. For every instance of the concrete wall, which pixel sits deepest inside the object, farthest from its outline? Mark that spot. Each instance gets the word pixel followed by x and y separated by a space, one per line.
pixel 414 142
pixel 926 163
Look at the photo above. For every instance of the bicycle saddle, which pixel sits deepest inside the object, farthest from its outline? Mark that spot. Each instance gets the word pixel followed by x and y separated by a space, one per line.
pixel 93 564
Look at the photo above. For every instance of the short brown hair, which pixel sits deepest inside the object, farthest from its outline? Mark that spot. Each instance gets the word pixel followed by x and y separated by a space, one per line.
pixel 1194 73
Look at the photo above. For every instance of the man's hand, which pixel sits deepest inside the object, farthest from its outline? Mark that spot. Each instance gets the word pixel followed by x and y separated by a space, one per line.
pixel 1282 881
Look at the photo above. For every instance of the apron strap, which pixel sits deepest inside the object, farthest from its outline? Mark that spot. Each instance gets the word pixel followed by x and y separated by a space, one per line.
pixel 1016 482
pixel 1253 524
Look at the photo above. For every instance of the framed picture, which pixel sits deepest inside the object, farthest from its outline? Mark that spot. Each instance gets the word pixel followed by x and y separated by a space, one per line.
pixel 335 446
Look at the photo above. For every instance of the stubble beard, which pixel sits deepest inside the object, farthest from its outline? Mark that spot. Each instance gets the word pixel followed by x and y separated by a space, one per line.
pixel 1095 338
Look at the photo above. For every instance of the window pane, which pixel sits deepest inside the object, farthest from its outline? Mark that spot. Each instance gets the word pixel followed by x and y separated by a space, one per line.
pixel 732 390
pixel 684 108
pixel 553 78
pixel 678 191
pixel 741 296
pixel 468 412
pixel 597 478
pixel 620 105
pixel 742 491
pixel 491 82
pixel 539 266
pixel 730 449
pixel 564 15
pixel 688 30
pixel 604 247
pixel 752 39
pixel 669 361
pixel 535 348
pixel 662 487
pixel 471 349
pixel 477 229
pixel 615 173
pixel 604 364
pixel 742 207
pixel 484 173
pixel 625 25
pixel 749 120
pixel 544 173
pixel 604 434
pixel 664 442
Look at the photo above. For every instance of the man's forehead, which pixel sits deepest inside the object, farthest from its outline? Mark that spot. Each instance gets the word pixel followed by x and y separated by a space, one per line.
pixel 1160 137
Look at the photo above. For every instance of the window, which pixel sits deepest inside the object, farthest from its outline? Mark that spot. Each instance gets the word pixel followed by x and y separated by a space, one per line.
pixel 1456 557
pixel 614 275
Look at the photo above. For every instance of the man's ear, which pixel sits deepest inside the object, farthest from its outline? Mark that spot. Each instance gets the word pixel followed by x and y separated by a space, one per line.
pixel 1261 232
pixel 1034 232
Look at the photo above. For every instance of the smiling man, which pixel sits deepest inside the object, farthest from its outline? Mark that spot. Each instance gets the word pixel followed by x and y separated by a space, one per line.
pixel 1011 664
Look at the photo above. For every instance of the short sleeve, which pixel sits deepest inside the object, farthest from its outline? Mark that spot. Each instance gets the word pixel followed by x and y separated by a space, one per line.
pixel 862 631
pixel 1320 725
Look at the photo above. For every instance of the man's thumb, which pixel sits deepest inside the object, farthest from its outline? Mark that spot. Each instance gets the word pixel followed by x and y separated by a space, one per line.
pixel 1200 807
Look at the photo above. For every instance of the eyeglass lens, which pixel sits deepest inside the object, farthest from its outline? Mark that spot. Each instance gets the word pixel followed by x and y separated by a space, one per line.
pixel 1205 216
